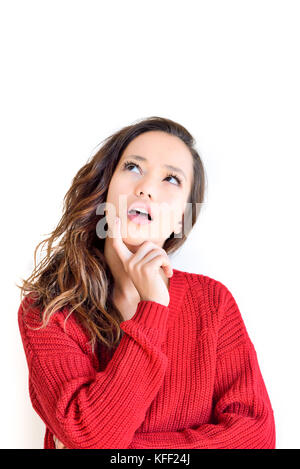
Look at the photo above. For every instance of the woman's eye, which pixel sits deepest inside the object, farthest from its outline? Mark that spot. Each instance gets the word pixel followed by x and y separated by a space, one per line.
pixel 129 164
pixel 176 178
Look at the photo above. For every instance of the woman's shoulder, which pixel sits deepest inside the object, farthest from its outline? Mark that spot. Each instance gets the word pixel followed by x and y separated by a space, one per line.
pixel 56 338
pixel 205 289
pixel 197 281
pixel 60 326
pixel 32 313
pixel 209 297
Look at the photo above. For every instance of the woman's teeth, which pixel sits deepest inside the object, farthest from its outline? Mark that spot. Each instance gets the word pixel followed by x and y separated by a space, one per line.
pixel 137 212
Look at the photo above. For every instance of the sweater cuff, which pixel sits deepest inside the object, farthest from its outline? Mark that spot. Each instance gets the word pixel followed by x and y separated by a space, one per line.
pixel 151 315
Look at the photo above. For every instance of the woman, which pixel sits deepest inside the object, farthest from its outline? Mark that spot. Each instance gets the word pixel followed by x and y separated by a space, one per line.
pixel 169 363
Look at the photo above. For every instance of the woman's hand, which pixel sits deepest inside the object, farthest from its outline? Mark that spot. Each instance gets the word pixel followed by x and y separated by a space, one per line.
pixel 143 267
pixel 58 444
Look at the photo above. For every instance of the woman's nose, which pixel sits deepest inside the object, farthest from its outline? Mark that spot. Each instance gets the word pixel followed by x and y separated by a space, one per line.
pixel 144 188
pixel 139 193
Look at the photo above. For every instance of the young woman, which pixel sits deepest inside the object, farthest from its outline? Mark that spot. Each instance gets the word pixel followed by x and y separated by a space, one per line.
pixel 123 350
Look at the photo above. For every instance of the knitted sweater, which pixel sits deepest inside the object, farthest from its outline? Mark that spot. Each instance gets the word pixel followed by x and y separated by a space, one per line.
pixel 184 375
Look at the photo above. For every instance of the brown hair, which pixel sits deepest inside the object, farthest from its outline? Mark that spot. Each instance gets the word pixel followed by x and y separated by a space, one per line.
pixel 74 273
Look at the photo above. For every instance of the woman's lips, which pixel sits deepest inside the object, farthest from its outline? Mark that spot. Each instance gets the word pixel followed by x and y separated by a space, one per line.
pixel 138 219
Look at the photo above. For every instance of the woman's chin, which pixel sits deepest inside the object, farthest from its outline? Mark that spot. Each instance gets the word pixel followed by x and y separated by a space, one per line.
pixel 133 243
pixel 136 241
pixel 136 234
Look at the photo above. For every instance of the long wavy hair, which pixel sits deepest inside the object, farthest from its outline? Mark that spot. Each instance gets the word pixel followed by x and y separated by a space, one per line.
pixel 74 273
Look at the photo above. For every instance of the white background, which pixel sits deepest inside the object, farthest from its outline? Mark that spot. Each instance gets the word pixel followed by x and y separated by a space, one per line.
pixel 73 72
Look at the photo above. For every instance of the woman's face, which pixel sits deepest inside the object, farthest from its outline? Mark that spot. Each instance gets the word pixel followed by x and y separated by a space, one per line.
pixel 142 175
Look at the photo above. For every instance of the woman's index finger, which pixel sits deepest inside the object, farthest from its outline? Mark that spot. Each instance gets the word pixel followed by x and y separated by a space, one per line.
pixel 118 244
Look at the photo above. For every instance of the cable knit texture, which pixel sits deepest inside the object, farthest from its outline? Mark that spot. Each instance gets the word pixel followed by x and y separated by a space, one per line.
pixel 184 375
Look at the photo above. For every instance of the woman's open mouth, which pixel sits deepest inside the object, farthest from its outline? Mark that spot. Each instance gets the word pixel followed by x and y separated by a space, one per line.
pixel 139 217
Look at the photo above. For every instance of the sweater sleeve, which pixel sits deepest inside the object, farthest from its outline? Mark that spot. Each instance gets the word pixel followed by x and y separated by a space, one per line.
pixel 85 408
pixel 242 416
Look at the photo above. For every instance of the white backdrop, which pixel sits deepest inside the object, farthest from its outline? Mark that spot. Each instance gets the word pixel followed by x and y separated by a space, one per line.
pixel 74 72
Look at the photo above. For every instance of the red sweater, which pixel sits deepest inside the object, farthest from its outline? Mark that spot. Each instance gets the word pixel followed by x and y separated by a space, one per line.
pixel 184 375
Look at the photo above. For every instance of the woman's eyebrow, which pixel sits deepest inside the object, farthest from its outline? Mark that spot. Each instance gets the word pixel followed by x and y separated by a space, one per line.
pixel 168 166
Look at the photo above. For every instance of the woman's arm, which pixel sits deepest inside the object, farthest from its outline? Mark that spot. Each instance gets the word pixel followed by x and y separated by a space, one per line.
pixel 243 416
pixel 84 408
